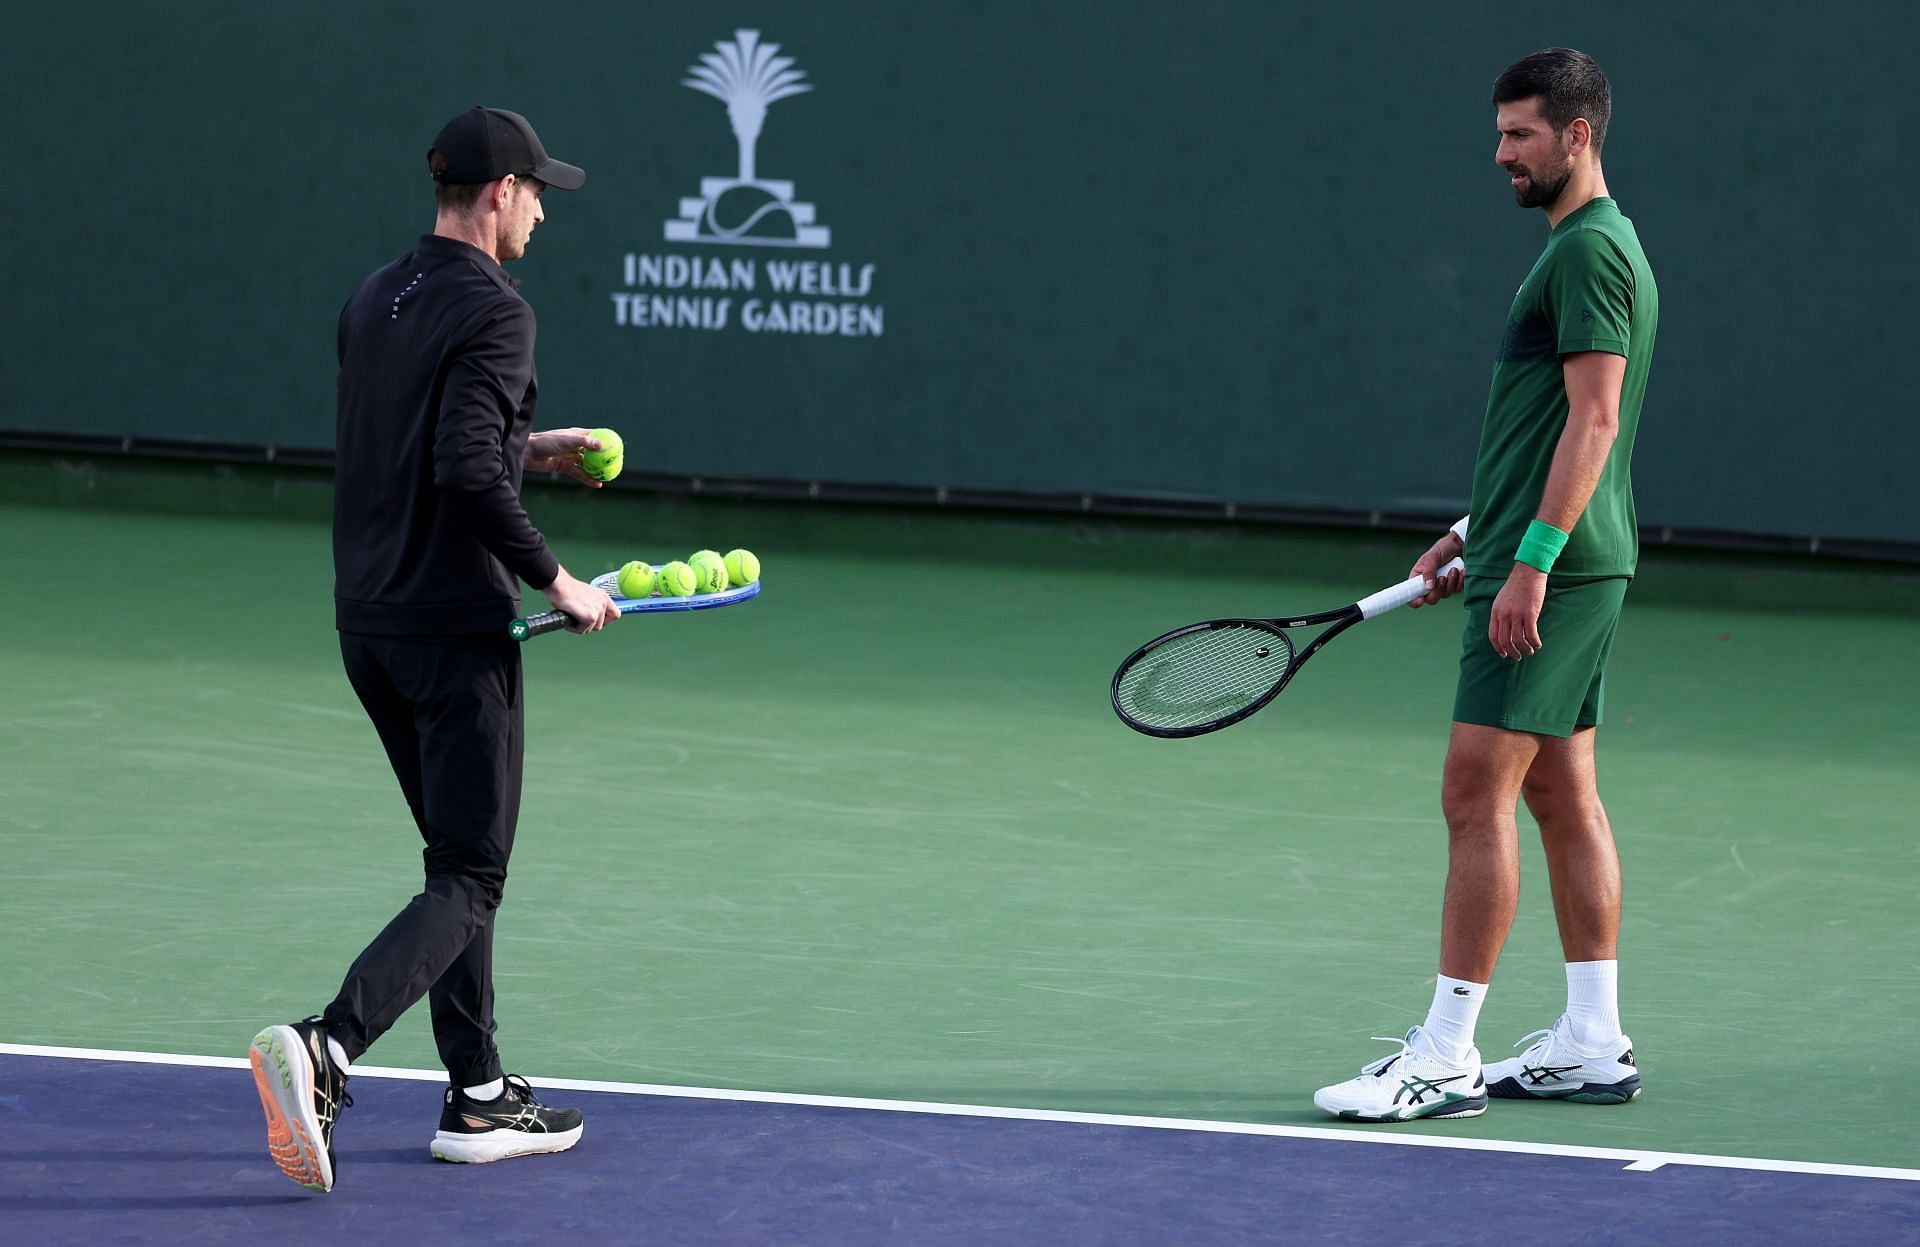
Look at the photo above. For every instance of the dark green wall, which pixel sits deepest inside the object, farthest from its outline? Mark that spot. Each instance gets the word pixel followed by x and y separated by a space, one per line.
pixel 1255 252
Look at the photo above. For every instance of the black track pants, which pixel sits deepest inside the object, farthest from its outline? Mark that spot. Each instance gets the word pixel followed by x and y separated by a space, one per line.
pixel 450 716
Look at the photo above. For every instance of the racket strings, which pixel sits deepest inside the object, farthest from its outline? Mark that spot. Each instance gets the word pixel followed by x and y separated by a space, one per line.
pixel 1203 677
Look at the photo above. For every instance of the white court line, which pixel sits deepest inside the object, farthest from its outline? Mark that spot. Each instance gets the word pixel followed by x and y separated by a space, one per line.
pixel 1635 1160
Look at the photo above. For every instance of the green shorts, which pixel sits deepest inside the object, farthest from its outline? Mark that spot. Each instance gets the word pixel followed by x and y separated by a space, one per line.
pixel 1556 691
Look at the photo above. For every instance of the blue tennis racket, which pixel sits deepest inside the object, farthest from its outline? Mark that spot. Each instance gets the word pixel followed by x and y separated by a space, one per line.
pixel 555 621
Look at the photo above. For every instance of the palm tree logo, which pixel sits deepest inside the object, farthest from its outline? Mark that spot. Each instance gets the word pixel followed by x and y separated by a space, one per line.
pixel 747 75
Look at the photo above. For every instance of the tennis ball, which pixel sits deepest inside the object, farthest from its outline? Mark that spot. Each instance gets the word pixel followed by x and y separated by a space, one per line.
pixel 676 579
pixel 710 574
pixel 636 580
pixel 742 567
pixel 605 463
pixel 710 568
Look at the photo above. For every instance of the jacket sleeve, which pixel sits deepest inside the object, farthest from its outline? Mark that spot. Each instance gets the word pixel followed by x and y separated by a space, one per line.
pixel 487 379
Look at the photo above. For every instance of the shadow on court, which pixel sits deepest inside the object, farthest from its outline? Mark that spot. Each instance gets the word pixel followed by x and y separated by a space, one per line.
pixel 100 1151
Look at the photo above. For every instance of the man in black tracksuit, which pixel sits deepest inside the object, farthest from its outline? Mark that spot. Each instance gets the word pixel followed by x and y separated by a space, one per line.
pixel 437 395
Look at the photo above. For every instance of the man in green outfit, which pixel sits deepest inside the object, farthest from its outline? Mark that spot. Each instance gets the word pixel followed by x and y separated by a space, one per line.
pixel 1554 543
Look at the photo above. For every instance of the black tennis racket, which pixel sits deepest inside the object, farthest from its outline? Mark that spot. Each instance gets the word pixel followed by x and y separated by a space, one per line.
pixel 1207 676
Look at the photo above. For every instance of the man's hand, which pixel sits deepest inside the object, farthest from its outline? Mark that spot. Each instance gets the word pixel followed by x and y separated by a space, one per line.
pixel 1515 630
pixel 558 450
pixel 1425 567
pixel 589 608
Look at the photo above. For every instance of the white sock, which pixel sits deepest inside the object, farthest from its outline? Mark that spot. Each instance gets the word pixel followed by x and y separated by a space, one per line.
pixel 1593 1002
pixel 485 1091
pixel 338 1053
pixel 1450 1022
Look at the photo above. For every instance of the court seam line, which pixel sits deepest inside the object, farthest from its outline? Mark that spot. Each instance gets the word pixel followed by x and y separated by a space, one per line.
pixel 1638 1160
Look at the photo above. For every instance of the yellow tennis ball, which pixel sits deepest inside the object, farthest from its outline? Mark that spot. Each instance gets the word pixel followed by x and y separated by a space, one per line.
pixel 743 568
pixel 699 560
pixel 605 463
pixel 676 580
pixel 636 580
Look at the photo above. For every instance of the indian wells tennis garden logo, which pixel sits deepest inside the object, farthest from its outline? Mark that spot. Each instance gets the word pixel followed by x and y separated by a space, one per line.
pixel 686 290
pixel 746 76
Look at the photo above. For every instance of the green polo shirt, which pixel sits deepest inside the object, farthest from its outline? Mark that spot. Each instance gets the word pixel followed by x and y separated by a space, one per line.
pixel 1590 290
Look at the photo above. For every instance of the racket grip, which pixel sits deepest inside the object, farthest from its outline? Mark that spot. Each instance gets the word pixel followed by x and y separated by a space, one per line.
pixel 1406 591
pixel 536 625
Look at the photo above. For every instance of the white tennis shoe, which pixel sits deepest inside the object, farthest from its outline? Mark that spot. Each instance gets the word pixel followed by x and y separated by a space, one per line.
pixel 1411 1083
pixel 1556 1068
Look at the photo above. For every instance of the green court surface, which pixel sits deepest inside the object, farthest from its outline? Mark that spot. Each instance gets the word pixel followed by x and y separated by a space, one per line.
pixel 878 833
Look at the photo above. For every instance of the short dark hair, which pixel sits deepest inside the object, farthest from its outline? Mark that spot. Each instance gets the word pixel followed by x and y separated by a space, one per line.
pixel 455 197
pixel 1569 83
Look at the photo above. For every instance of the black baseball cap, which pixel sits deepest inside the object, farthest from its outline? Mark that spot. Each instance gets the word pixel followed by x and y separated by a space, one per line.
pixel 486 144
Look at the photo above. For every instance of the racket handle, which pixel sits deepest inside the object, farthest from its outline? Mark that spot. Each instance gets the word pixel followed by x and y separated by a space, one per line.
pixel 1406 591
pixel 535 625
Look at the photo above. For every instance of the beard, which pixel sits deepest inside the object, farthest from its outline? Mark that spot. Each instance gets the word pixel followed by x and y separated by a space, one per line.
pixel 1542 189
pixel 512 248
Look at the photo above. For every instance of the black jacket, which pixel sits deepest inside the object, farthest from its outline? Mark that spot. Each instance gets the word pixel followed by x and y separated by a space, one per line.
pixel 436 399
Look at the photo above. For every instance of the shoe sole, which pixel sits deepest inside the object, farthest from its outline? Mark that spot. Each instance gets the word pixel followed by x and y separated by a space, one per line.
pixel 283 1075
pixel 481 1149
pixel 1586 1093
pixel 1465 1108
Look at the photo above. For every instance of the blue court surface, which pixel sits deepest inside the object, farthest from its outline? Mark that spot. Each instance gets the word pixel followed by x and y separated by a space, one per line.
pixel 99 1151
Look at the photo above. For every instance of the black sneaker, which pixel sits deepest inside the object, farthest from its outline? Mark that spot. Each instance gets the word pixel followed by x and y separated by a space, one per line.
pixel 302 1092
pixel 473 1132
